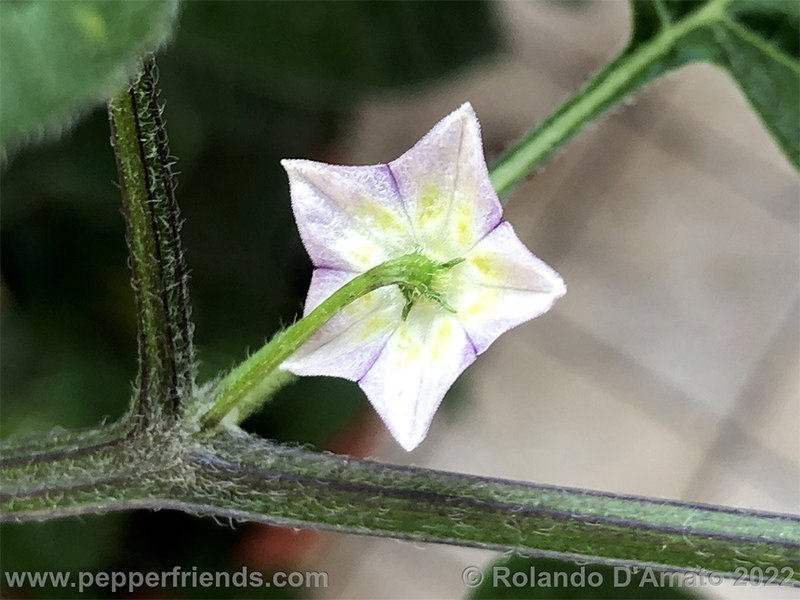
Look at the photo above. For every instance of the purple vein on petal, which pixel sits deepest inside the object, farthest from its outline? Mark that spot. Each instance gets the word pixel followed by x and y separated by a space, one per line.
pixel 403 203
pixel 377 356
pixel 446 220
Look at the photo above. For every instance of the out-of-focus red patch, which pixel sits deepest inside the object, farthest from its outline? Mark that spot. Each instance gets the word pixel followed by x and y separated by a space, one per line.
pixel 269 548
pixel 360 438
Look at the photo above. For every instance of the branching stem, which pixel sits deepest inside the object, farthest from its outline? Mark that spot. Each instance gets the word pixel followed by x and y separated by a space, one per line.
pixel 157 458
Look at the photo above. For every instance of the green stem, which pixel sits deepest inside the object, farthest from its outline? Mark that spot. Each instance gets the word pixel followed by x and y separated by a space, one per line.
pixel 630 70
pixel 252 382
pixel 166 361
pixel 300 488
pixel 238 476
pixel 85 472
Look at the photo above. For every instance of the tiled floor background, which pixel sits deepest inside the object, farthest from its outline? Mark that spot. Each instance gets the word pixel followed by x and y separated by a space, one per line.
pixel 671 366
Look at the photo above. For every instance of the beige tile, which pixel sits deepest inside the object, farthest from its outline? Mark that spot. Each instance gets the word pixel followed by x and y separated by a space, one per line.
pixel 362 568
pixel 533 418
pixel 754 458
pixel 708 122
pixel 768 408
pixel 707 97
pixel 779 430
pixel 731 590
pixel 685 278
pixel 566 41
pixel 754 481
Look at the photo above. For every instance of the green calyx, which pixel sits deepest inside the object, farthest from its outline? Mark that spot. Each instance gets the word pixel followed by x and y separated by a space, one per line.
pixel 421 283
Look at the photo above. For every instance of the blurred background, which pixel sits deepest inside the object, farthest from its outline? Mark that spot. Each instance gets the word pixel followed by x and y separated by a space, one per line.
pixel 670 368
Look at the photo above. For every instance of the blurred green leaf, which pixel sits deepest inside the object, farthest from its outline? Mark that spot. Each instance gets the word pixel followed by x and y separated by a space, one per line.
pixel 59 58
pixel 548 578
pixel 756 41
pixel 322 53
pixel 761 50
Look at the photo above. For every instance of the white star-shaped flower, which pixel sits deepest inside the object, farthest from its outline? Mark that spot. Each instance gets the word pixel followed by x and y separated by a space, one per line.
pixel 436 199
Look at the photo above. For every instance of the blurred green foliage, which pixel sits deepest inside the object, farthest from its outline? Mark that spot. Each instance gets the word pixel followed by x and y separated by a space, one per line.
pixel 58 58
pixel 756 41
pixel 247 84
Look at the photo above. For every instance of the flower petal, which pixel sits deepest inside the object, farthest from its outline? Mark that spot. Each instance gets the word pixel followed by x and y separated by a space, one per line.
pixel 348 344
pixel 445 186
pixel 436 199
pixel 421 360
pixel 500 285
pixel 350 218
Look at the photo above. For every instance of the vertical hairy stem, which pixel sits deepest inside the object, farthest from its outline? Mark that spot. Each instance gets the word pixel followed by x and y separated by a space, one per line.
pixel 166 361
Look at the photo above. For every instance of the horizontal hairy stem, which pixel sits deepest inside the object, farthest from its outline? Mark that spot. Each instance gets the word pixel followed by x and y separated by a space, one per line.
pixel 82 472
pixel 40 447
pixel 241 477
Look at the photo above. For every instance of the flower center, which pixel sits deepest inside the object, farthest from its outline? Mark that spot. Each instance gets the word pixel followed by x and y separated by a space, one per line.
pixel 422 281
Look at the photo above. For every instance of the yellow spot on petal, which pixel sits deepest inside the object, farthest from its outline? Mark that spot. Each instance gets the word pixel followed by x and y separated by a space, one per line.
pixel 373 326
pixel 487 300
pixel 379 217
pixel 463 216
pixel 462 232
pixel 473 309
pixel 363 255
pixel 360 250
pixel 480 301
pixel 90 21
pixel 487 265
pixel 407 348
pixel 441 342
pixel 363 304
pixel 430 205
